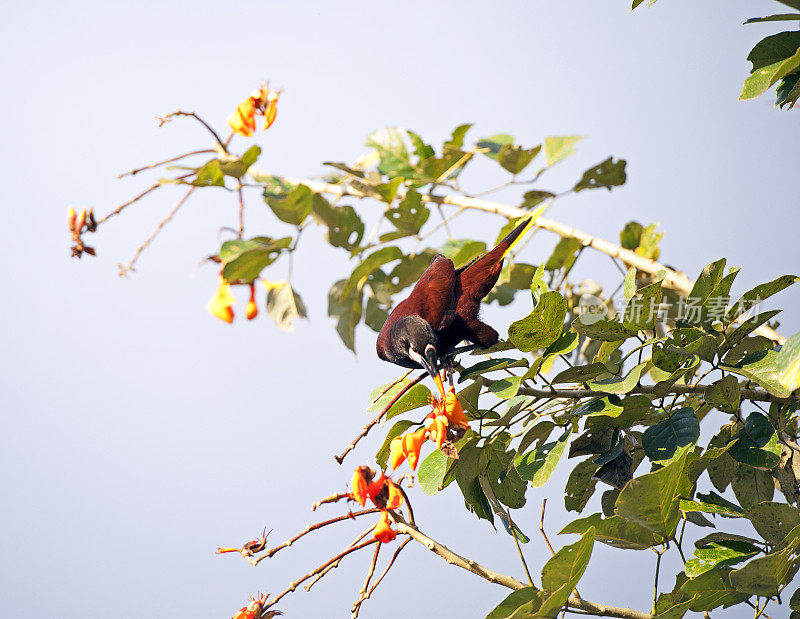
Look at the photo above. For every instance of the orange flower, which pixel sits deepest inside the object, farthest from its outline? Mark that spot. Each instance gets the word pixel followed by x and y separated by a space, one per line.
pixel 71 219
pixel 243 120
pixel 396 454
pixel 412 445
pixel 221 304
pixel 453 410
pixel 271 109
pixel 360 486
pixel 252 308
pixel 374 488
pixel 263 102
pixel 395 499
pixel 383 530
pixel 437 427
pixel 253 609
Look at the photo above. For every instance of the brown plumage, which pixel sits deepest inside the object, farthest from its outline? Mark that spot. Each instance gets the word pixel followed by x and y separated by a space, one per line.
pixel 442 309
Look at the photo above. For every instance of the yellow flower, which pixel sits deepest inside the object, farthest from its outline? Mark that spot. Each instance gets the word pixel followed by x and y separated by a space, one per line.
pixel 221 304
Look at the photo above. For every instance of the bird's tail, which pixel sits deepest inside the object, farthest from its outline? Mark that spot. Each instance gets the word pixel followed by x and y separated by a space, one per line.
pixel 518 233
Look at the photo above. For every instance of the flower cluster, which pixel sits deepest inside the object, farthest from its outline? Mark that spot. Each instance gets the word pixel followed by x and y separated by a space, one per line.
pixel 447 414
pixel 221 304
pixel 76 224
pixel 254 609
pixel 263 102
pixel 384 494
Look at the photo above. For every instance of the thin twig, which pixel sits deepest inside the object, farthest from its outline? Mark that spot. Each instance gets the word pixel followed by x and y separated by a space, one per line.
pixel 121 207
pixel 313 527
pixel 333 566
pixel 241 210
pixel 169 117
pixel 319 569
pixel 388 567
pixel 170 160
pixel 123 270
pixel 362 594
pixel 365 430
pixel 519 550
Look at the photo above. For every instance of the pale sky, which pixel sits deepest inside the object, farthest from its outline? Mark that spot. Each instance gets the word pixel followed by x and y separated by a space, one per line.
pixel 140 433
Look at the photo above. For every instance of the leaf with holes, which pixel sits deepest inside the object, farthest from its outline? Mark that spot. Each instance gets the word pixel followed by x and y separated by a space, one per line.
pixel 542 326
pixel 410 215
pixel 681 428
pixel 243 260
pixel 608 174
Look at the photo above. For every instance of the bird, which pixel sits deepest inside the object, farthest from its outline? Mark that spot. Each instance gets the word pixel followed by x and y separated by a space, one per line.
pixel 443 310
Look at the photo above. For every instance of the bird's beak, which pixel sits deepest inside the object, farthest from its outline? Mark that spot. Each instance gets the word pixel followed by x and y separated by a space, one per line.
pixel 432 365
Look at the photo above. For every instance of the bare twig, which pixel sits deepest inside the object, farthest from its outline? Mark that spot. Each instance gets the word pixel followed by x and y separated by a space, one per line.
pixel 333 498
pixel 123 270
pixel 166 161
pixel 519 550
pixel 121 207
pixel 756 395
pixel 313 527
pixel 362 594
pixel 365 430
pixel 169 117
pixel 241 210
pixel 319 569
pixel 389 566
pixel 541 528
pixel 333 566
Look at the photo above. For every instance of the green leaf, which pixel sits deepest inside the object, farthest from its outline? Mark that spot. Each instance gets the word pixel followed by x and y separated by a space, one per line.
pixel 563 571
pixel 415 397
pixel 505 388
pixel 532 199
pixel 542 326
pixel 707 281
pixel 461 251
pixel 538 464
pixel 490 365
pixel 787 363
pixel 410 215
pixel 778 17
pixel 642 309
pixel 606 174
pixel 580 373
pixel 651 500
pixel 752 486
pixel 375 316
pixel 564 254
pixel 761 368
pixel 371 263
pixel 466 473
pixel 661 441
pixel 601 330
pixel 712 589
pixel 284 306
pixel 773 521
pixel 391 147
pixel 431 472
pixel 293 208
pixel 243 260
pixel 723 394
pixel 718 505
pixel 519 603
pixel 457 137
pixel 238 167
pixel 767 575
pixel 644 241
pixel 209 175
pixel 506 484
pixel 788 92
pixel 514 158
pixel 634 409
pixel 346 310
pixel 759 293
pixel 773 57
pixel 397 429
pixel 616 532
pixel 756 444
pixel 494 144
pixel 565 343
pixel 629 284
pixel 623 384
pixel 580 486
pixel 559 148
pixel 345 228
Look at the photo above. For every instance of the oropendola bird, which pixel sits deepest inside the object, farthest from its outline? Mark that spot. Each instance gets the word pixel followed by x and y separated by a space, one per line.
pixel 442 310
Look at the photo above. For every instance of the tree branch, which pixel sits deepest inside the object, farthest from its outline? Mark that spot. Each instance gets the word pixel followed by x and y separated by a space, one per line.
pixel 599 610
pixel 756 395
pixel 365 430
pixel 672 279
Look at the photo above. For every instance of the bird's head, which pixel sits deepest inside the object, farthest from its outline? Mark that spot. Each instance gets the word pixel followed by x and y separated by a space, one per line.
pixel 413 338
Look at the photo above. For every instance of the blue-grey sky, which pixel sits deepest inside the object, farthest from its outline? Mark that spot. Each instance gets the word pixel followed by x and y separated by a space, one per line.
pixel 139 433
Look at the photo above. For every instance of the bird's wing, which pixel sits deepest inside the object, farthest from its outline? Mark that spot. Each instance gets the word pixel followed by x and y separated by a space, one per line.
pixel 434 294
